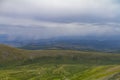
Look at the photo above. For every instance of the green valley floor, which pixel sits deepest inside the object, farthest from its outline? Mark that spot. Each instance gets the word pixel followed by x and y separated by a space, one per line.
pixel 18 64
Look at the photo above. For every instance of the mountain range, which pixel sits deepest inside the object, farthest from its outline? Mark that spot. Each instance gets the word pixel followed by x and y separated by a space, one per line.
pixel 66 43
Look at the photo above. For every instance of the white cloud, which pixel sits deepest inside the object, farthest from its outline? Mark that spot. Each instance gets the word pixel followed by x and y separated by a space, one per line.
pixel 61 8
pixel 20 23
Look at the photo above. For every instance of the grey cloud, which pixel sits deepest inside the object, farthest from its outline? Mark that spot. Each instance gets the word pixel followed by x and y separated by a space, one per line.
pixel 40 30
pixel 62 10
pixel 40 19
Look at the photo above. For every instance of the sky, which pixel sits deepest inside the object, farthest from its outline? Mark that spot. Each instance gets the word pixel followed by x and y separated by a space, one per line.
pixel 41 19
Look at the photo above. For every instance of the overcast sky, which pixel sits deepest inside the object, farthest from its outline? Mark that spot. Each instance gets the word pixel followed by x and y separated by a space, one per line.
pixel 40 19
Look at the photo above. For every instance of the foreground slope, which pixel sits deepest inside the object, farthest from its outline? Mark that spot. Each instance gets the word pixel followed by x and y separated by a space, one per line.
pixel 17 64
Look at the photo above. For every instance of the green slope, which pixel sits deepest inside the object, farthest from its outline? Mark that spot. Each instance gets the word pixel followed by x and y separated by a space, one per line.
pixel 17 64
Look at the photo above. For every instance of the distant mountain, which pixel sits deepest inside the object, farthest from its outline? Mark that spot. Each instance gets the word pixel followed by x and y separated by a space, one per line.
pixel 107 44
pixel 3 37
pixel 75 43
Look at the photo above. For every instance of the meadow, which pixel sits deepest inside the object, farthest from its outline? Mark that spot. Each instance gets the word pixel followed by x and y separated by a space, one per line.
pixel 18 64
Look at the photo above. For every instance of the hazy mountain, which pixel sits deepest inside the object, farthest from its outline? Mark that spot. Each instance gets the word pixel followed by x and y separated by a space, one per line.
pixel 108 44
pixel 75 43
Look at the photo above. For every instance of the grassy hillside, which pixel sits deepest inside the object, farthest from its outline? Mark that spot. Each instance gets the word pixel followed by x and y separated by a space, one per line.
pixel 17 64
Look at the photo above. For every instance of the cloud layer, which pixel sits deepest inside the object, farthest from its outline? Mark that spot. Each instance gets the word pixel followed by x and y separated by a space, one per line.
pixel 29 28
pixel 53 18
pixel 62 10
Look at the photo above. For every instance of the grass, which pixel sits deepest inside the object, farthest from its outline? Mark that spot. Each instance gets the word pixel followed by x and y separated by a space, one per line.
pixel 61 72
pixel 18 64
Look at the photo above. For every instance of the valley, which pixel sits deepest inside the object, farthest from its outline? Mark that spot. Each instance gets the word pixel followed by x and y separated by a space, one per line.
pixel 19 64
